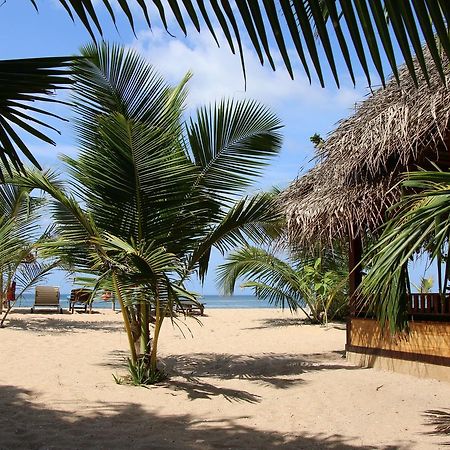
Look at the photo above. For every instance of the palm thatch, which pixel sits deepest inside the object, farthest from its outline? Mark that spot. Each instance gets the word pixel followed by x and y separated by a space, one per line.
pixel 395 130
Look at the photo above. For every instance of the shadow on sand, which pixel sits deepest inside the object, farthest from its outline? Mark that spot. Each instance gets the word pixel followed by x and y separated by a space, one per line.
pixel 61 324
pixel 26 424
pixel 292 322
pixel 192 373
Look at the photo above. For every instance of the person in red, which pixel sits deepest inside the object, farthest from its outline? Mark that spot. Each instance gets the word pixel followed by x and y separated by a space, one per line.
pixel 106 296
pixel 11 293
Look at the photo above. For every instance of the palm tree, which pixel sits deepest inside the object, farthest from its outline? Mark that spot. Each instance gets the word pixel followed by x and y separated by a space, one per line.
pixel 420 224
pixel 20 235
pixel 311 284
pixel 365 31
pixel 157 193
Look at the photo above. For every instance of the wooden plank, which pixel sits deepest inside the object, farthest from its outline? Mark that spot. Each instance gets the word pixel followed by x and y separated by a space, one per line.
pixel 430 338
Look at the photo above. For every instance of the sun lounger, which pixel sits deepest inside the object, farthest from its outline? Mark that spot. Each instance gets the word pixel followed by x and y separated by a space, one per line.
pixel 187 307
pixel 46 297
pixel 190 308
pixel 79 299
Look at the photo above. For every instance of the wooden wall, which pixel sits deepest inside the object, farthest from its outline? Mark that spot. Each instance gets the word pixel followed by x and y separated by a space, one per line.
pixel 427 342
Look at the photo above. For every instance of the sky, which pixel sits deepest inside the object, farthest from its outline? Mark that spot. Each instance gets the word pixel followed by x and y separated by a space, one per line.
pixel 303 108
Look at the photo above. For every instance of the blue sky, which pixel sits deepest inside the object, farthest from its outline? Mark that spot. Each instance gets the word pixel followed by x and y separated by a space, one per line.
pixel 304 108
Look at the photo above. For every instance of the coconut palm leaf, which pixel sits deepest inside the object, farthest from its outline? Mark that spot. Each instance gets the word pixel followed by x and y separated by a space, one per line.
pixel 11 242
pixel 286 281
pixel 75 229
pixel 24 82
pixel 420 224
pixel 271 278
pixel 250 219
pixel 29 275
pixel 370 29
pixel 274 296
pixel 230 142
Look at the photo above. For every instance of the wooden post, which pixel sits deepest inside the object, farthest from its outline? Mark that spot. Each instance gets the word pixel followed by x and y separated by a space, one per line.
pixel 355 278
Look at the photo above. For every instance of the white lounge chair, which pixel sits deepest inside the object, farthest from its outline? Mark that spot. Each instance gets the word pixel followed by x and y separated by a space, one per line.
pixel 46 297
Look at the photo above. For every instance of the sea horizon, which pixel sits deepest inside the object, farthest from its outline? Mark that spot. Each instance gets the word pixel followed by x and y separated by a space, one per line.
pixel 213 301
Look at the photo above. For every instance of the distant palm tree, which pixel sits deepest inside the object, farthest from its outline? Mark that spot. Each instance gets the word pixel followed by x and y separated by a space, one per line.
pixel 157 193
pixel 19 236
pixel 312 285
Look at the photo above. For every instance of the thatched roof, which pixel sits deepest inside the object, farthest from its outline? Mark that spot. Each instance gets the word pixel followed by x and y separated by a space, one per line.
pixel 352 185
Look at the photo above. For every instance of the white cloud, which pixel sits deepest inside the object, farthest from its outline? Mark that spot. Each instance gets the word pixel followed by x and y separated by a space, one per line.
pixel 218 73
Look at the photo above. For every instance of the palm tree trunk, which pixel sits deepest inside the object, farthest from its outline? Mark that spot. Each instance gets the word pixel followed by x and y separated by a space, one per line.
pixel 126 319
pixel 145 337
pixel 158 324
pixel 1 292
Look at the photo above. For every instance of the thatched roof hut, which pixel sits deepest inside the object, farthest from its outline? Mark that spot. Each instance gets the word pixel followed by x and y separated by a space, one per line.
pixel 396 129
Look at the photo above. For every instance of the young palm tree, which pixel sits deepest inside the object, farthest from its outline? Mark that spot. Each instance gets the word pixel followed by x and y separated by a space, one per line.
pixel 420 225
pixel 20 234
pixel 157 193
pixel 309 284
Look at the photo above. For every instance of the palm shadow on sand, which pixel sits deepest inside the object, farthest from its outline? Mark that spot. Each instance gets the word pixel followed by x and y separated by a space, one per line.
pixel 62 325
pixel 193 372
pixel 292 322
pixel 24 423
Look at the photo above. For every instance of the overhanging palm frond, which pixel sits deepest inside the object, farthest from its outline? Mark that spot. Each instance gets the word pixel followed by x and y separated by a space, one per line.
pixel 421 223
pixel 370 30
pixel 23 82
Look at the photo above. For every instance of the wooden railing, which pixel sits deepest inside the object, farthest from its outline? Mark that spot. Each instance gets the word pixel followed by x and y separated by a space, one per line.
pixel 429 305
pixel 421 306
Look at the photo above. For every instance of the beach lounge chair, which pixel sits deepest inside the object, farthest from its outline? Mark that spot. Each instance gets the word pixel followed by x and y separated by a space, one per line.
pixel 46 297
pixel 190 308
pixel 79 299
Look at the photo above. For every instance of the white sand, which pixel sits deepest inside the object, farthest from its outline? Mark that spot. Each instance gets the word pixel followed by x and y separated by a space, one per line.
pixel 246 379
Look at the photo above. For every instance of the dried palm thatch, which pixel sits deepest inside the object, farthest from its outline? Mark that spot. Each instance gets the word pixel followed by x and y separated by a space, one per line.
pixel 358 167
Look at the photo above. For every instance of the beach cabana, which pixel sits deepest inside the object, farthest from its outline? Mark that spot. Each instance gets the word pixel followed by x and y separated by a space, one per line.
pixel 347 194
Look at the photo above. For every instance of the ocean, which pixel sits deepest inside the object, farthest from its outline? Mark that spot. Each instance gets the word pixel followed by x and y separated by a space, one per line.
pixel 210 301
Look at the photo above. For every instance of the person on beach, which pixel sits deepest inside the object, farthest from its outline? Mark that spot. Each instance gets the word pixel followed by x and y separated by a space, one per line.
pixel 106 296
pixel 10 294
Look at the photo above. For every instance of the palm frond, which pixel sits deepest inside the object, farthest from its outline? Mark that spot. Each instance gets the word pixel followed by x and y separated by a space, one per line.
pixel 420 223
pixel 24 82
pixel 253 262
pixel 29 275
pixel 372 30
pixel 230 142
pixel 251 219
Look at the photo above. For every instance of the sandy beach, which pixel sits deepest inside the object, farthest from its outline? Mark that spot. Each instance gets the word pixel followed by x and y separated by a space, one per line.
pixel 242 379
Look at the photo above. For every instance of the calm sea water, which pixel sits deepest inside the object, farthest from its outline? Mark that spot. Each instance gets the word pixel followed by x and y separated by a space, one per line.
pixel 210 301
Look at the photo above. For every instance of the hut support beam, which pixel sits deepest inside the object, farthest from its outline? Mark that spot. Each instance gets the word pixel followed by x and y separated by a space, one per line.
pixel 355 278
